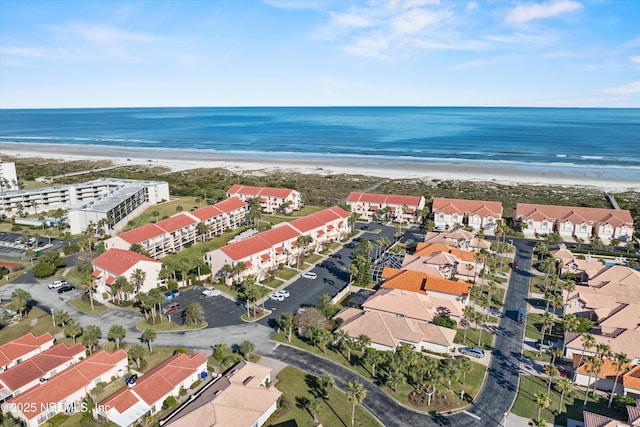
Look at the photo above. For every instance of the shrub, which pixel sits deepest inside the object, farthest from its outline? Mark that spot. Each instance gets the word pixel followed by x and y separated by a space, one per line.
pixel 16 228
pixel 71 249
pixel 445 321
pixel 180 350
pixel 172 285
pixel 195 384
pixel 169 402
pixel 621 402
pixel 43 269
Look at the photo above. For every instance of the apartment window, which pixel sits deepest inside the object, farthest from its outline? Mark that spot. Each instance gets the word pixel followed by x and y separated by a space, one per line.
pixel 530 223
pixel 545 224
pixel 53 372
pixel 441 216
pixel 97 381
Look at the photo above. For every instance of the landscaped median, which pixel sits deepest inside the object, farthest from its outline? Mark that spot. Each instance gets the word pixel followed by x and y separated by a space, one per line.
pixel 167 326
pixel 400 382
pixel 84 305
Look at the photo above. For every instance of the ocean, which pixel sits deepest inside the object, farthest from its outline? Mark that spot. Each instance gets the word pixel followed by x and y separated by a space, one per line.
pixel 576 141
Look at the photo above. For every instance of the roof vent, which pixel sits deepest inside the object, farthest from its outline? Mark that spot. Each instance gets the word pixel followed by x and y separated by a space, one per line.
pixel 247 380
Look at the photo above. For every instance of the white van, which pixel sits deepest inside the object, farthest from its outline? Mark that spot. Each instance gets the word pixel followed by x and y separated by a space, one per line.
pixel 309 275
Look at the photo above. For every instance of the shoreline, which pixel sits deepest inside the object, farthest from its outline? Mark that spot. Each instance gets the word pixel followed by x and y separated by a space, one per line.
pixel 398 168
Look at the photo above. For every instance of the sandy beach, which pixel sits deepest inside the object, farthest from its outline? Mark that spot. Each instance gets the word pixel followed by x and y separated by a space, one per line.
pixel 178 160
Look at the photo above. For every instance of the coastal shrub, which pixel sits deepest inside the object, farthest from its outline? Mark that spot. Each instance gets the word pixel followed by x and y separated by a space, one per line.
pixel 169 402
pixel 195 384
pixel 43 269
pixel 445 321
pixel 16 228
pixel 71 249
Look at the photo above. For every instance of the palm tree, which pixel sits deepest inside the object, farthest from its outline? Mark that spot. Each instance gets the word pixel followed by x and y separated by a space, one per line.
pixel 325 382
pixel 551 372
pixel 394 379
pixel 287 322
pixel 541 249
pixel 88 283
pixel 537 422
pixel 117 333
pixel 621 362
pixel 372 357
pixel 202 229
pixel 542 400
pixel 554 301
pixel 468 314
pixel 450 370
pixel 547 321
pixel 344 343
pixel 148 336
pixel 565 386
pixel 556 352
pixel 72 330
pixel 603 350
pixel 464 365
pixel 593 366
pixel 355 394
pixel 138 277
pixel 314 406
pixel 363 341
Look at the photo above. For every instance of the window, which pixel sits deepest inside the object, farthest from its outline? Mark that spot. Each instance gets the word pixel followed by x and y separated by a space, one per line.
pixel 441 216
pixel 545 224
pixel 53 372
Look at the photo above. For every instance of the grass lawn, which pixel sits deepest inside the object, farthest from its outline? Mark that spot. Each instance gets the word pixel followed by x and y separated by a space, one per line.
pixel 276 219
pixel 285 273
pixel 532 330
pixel 200 249
pixel 312 259
pixel 525 405
pixel 41 323
pixel 143 325
pixel 273 283
pixel 82 304
pixel 474 378
pixel 472 338
pixel 299 387
pixel 534 355
pixel 165 209
pixel 159 355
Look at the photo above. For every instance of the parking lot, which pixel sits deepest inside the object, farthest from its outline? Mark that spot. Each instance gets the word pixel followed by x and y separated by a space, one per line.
pixel 218 311
pixel 10 249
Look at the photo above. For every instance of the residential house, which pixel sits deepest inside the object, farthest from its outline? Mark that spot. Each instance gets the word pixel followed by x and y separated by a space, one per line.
pixel 387 331
pixel 269 249
pixel 64 392
pixel 23 348
pixel 458 238
pixel 591 419
pixel 631 382
pixel 417 281
pixel 271 199
pixel 173 234
pixel 602 380
pixel 126 406
pixel 39 368
pixel 113 263
pixel 241 398
pixel 390 206
pixel 583 267
pixel 574 222
pixel 477 214
pixel 451 261
pixel 413 305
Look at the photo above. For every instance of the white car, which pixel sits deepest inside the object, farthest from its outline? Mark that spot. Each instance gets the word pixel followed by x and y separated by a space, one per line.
pixel 310 275
pixel 284 293
pixel 276 297
pixel 57 284
pixel 211 292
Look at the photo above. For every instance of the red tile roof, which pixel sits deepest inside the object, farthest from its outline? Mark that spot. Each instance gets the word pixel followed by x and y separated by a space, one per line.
pixel 393 199
pixel 427 249
pixel 72 379
pixel 249 190
pixel 417 281
pixel 22 345
pixel 220 208
pixel 156 383
pixel 40 365
pixel 614 217
pixel 259 242
pixel 319 219
pixel 141 234
pixel 176 222
pixel 461 206
pixel 119 261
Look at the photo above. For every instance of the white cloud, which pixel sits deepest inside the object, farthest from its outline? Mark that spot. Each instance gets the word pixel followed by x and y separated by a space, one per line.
pixel 471 64
pixel 104 34
pixel 635 59
pixel 526 12
pixel 633 87
pixel 350 20
pixel 417 20
pixel 472 5
pixel 31 52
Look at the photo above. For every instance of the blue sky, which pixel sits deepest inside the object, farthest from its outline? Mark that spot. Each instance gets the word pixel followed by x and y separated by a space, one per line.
pixel 110 53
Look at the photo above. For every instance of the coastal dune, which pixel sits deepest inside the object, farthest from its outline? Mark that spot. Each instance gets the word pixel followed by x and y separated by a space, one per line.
pixel 397 168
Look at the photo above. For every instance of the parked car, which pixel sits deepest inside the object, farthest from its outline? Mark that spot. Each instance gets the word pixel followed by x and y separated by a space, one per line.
pixel 546 345
pixel 564 372
pixel 57 283
pixel 211 292
pixel 168 296
pixel 276 297
pixel 309 275
pixel 336 256
pixel 175 293
pixel 516 265
pixel 66 288
pixel 284 293
pixel 131 379
pixel 476 352
pixel 171 308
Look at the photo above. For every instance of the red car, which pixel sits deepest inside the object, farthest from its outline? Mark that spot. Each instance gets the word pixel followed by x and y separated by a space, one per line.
pixel 171 308
pixel 515 265
pixel 564 372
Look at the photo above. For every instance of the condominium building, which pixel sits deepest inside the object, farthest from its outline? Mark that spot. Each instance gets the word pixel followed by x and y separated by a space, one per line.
pixel 8 176
pixel 392 206
pixel 271 199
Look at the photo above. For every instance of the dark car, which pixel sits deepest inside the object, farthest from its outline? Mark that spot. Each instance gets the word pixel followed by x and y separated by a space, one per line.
pixel 65 288
pixel 131 379
pixel 564 372
pixel 365 227
pixel 515 265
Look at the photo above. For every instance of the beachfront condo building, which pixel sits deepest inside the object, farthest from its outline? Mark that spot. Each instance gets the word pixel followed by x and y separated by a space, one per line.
pixel 107 201
pixel 281 245
pixel 573 222
pixel 477 214
pixel 394 207
pixel 175 233
pixel 272 199
pixel 8 176
pixel 114 263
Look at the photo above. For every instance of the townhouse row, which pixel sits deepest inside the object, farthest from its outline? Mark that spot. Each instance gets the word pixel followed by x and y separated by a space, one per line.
pixel 53 379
